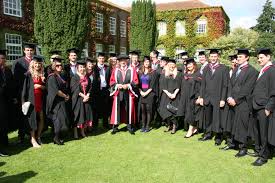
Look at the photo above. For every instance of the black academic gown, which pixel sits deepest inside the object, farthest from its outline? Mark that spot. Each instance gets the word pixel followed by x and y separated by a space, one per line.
pixel 7 94
pixel 240 89
pixel 213 90
pixel 56 107
pixel 170 84
pixel 189 93
pixel 82 111
pixel 28 96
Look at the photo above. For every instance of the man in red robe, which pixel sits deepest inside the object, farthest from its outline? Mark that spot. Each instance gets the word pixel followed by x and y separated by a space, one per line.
pixel 123 83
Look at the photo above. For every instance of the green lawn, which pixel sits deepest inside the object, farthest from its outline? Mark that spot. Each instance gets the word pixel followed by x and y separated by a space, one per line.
pixel 152 157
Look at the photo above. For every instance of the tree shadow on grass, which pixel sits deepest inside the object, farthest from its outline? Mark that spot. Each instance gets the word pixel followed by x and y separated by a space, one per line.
pixel 18 178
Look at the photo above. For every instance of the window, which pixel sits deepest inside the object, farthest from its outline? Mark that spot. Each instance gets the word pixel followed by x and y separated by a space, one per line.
pixel 161 51
pixel 98 48
pixel 112 49
pixel 122 28
pixel 85 50
pixel 201 23
pixel 113 26
pixel 99 22
pixel 162 26
pixel 180 28
pixel 12 7
pixel 123 50
pixel 14 46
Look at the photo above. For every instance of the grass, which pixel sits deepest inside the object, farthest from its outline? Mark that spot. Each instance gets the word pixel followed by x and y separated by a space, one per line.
pixel 151 157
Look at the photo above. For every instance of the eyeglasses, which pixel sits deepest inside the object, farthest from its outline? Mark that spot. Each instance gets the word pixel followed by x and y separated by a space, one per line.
pixel 58 65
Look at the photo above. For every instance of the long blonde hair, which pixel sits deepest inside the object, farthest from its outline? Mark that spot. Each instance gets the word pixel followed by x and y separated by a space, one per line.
pixel 34 73
pixel 168 72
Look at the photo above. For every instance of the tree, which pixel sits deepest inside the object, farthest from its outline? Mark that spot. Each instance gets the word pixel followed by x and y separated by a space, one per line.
pixel 61 24
pixel 265 20
pixel 238 38
pixel 143 31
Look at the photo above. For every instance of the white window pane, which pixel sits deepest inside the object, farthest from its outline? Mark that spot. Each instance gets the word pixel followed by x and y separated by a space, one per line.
pixel 98 48
pixel 122 28
pixel 112 49
pixel 201 26
pixel 12 7
pixel 180 28
pixel 13 44
pixel 162 28
pixel 123 50
pixel 99 22
pixel 112 25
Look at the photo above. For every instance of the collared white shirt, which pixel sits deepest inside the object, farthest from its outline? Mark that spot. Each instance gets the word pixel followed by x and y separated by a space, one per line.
pixel 202 67
pixel 263 69
pixel 103 82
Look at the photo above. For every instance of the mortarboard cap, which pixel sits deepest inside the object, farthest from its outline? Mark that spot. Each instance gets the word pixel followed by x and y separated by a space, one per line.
pixel 37 58
pixel 73 50
pixel 190 60
pixel 3 52
pixel 243 51
pixel 146 58
pixel 29 45
pixel 232 57
pixel 266 51
pixel 201 52
pixel 164 58
pixel 183 53
pixel 171 60
pixel 81 62
pixel 135 52
pixel 89 59
pixel 122 57
pixel 101 54
pixel 214 50
pixel 57 58
pixel 113 55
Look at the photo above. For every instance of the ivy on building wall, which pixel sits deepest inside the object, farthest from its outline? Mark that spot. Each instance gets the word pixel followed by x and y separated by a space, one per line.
pixel 217 26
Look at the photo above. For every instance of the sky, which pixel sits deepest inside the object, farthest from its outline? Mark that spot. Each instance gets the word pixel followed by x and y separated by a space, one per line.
pixel 242 13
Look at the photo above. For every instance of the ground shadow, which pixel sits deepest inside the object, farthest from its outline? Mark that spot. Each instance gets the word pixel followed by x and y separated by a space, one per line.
pixel 18 178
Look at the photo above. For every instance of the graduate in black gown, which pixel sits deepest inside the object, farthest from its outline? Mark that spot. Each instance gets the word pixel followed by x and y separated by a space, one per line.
pixel 19 68
pixel 201 109
pixel 56 101
pixel 169 84
pixel 182 57
pixel 135 62
pixel 239 99
pixel 213 96
pixel 264 105
pixel 102 75
pixel 81 88
pixel 154 58
pixel 7 96
pixel 147 90
pixel 189 93
pixel 48 69
pixel 34 92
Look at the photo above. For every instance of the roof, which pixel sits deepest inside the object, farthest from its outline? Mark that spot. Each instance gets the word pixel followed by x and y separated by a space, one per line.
pixel 115 5
pixel 181 5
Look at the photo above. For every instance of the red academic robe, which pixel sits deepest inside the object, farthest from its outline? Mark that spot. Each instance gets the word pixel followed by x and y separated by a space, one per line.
pixel 123 109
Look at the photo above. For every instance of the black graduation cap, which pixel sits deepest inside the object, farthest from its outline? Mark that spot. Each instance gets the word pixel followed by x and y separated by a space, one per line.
pixel 113 55
pixel 55 52
pixel 164 58
pixel 29 45
pixel 73 50
pixel 156 52
pixel 243 51
pixel 81 62
pixel 37 58
pixel 101 54
pixel 201 52
pixel 135 52
pixel 189 60
pixel 57 59
pixel 3 52
pixel 232 57
pixel 146 58
pixel 266 51
pixel 123 57
pixel 183 53
pixel 214 50
pixel 171 60
pixel 89 59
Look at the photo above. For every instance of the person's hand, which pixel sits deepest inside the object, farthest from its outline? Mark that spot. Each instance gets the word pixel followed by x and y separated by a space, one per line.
pixel 36 86
pixel 231 102
pixel 67 98
pixel 198 101
pixel 222 103
pixel 141 93
pixel 267 112
pixel 173 96
pixel 119 86
pixel 201 101
pixel 125 87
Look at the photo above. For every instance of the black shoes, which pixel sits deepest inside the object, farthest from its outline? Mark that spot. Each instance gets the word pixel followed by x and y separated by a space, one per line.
pixel 114 131
pixel 259 162
pixel 241 153
pixel 39 141
pixel 218 142
pixel 205 138
pixel 58 141
pixel 226 148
